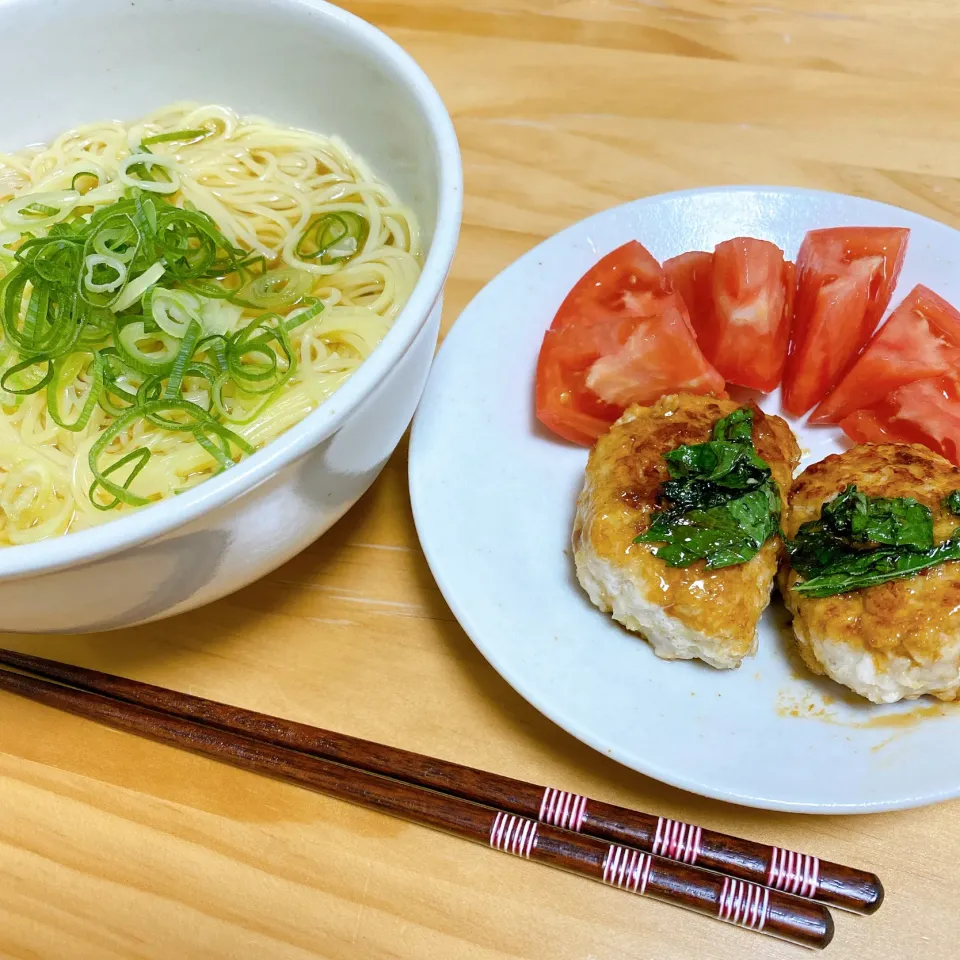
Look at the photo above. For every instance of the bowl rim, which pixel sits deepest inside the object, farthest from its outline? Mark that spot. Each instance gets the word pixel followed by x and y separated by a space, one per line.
pixel 156 520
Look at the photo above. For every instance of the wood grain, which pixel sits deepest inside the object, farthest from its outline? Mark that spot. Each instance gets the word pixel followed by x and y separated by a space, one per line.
pixel 111 847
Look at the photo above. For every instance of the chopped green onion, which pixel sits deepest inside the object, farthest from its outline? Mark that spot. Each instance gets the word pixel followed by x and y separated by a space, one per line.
pixel 216 451
pixel 159 359
pixel 102 196
pixel 115 368
pixel 108 403
pixel 23 211
pixel 197 421
pixel 118 242
pixel 145 214
pixel 151 389
pixel 80 176
pixel 275 288
pixel 235 412
pixel 333 237
pixel 215 344
pixel 210 289
pixel 54 258
pixel 193 246
pixel 313 307
pixel 199 370
pixel 106 284
pixel 48 327
pixel 148 163
pixel 183 358
pixel 68 364
pixel 39 210
pixel 139 457
pixel 97 329
pixel 134 290
pixel 253 358
pixel 7 380
pixel 177 135
pixel 172 310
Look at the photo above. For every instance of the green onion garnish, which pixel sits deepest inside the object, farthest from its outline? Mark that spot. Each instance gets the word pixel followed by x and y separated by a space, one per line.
pixel 39 210
pixel 69 365
pixel 139 457
pixel 275 288
pixel 146 352
pixel 83 175
pixel 177 135
pixel 32 382
pixel 82 310
pixel 172 310
pixel 182 361
pixel 333 237
pixel 141 169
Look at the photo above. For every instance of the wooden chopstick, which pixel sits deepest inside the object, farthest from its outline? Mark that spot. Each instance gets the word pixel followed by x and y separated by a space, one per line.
pixel 726 898
pixel 780 869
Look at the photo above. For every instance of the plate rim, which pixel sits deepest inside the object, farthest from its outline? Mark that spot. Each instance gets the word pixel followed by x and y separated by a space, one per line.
pixel 517 683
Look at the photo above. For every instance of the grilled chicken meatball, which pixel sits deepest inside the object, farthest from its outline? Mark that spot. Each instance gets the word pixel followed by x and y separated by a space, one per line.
pixel 897 640
pixel 685 612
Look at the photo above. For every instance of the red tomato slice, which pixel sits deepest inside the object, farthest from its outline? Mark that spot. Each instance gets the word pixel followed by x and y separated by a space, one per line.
pixel 564 404
pixel 740 299
pixel 752 301
pixel 920 340
pixel 660 357
pixel 621 336
pixel 845 278
pixel 692 277
pixel 925 411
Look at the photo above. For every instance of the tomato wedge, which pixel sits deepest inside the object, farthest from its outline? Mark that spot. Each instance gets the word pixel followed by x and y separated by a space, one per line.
pixel 661 356
pixel 740 299
pixel 920 340
pixel 752 305
pixel 691 275
pixel 925 411
pixel 845 278
pixel 621 336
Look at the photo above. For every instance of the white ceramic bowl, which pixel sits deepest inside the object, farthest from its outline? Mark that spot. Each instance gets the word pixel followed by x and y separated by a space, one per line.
pixel 299 62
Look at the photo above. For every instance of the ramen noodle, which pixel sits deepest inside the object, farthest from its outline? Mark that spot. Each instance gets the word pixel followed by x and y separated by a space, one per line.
pixel 174 294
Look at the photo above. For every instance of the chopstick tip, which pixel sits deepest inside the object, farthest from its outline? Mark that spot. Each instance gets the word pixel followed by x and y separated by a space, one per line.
pixel 874 900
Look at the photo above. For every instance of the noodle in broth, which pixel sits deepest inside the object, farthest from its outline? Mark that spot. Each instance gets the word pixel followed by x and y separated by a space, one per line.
pixel 277 195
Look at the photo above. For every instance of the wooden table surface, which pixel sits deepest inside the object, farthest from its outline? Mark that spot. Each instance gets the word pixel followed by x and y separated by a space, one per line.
pixel 113 847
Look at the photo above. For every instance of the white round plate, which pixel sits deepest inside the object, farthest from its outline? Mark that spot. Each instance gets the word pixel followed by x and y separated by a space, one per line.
pixel 494 494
